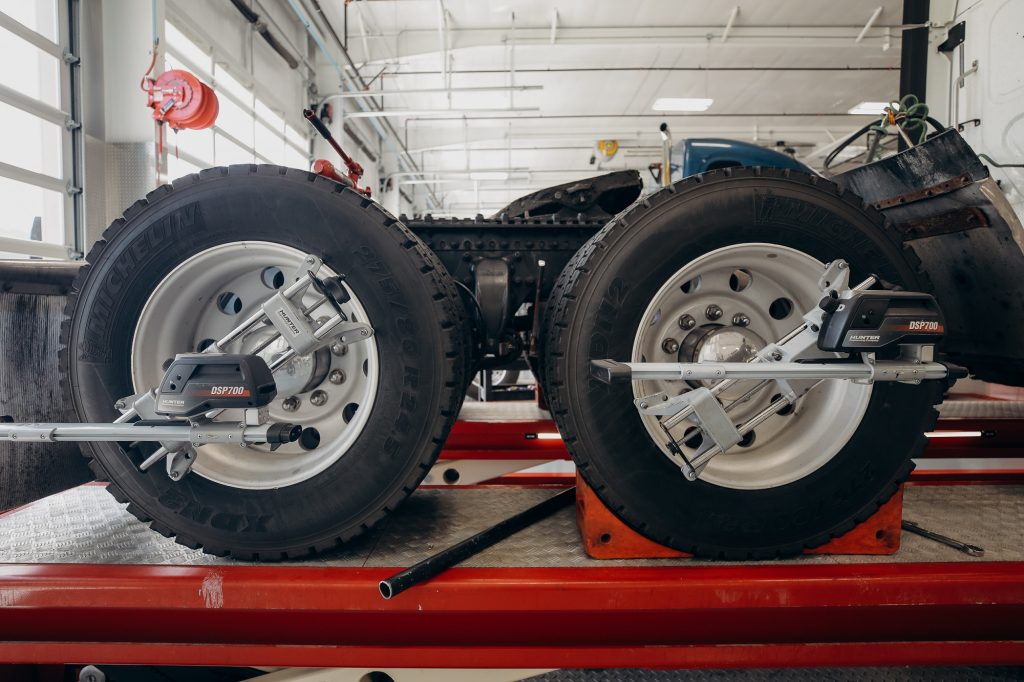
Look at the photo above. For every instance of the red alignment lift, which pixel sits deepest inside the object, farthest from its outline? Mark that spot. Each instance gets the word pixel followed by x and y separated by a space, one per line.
pixel 546 609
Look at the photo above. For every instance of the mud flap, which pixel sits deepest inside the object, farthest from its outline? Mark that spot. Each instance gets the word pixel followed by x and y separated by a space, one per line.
pixel 944 205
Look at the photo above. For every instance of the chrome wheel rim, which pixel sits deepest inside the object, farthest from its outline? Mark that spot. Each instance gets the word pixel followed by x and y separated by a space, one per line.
pixel 725 306
pixel 331 390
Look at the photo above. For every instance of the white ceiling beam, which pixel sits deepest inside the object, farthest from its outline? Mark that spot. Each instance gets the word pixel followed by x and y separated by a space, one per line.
pixel 730 22
pixel 431 91
pixel 433 112
pixel 424 43
pixel 867 27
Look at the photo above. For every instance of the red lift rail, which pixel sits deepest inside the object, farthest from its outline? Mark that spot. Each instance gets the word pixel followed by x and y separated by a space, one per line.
pixel 720 616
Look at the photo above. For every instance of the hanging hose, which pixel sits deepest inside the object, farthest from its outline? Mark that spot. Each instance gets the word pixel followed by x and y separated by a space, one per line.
pixel 179 99
pixel 909 116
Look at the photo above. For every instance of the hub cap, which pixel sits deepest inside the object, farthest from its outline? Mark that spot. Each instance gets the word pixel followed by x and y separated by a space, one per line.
pixel 724 307
pixel 331 390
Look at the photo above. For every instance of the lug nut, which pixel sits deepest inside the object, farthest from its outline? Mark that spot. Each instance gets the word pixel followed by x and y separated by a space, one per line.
pixel 318 398
pixel 338 348
pixel 713 312
pixel 336 376
pixel 670 346
pixel 687 322
pixel 740 320
pixel 290 404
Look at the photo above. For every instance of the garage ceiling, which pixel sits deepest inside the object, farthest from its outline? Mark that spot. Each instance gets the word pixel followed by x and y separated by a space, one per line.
pixel 784 71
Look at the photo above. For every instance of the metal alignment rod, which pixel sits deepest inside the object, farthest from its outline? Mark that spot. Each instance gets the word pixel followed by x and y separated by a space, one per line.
pixel 747 426
pixel 761 357
pixel 219 345
pixel 131 432
pixel 263 345
pixel 322 331
pixel 297 286
pixel 738 371
pixel 682 415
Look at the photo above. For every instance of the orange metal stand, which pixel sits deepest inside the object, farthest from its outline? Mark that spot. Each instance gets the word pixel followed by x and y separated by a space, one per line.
pixel 606 537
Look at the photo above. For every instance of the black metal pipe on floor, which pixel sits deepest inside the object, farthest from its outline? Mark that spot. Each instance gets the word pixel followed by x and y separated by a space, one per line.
pixel 431 566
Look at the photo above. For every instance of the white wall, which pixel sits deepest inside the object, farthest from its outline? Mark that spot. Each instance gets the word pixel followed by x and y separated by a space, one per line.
pixel 993 92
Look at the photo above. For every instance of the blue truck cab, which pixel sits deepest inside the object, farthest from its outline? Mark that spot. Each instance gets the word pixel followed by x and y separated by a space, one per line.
pixel 697 155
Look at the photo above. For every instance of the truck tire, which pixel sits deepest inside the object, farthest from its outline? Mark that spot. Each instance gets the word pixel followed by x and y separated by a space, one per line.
pixel 193 259
pixel 751 242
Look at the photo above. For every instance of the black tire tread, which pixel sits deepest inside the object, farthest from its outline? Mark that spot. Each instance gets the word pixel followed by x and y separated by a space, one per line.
pixel 448 310
pixel 561 307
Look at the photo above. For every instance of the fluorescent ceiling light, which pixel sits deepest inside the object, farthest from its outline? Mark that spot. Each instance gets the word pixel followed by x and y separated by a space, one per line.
pixel 488 175
pixel 682 104
pixel 869 108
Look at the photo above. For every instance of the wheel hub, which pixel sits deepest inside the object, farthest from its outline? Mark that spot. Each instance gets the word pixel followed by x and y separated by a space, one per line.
pixel 300 374
pixel 206 296
pixel 758 288
pixel 723 344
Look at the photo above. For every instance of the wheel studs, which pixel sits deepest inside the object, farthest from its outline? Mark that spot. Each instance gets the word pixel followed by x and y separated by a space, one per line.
pixel 338 348
pixel 740 320
pixel 290 404
pixel 670 346
pixel 336 376
pixel 686 322
pixel 318 398
pixel 713 312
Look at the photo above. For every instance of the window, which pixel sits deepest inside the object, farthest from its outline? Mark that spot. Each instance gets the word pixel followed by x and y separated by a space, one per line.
pixel 179 168
pixel 31 213
pixel 30 142
pixel 247 129
pixel 35 143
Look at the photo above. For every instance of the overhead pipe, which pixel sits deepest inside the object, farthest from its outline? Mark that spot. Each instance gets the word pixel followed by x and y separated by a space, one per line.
pixel 261 28
pixel 666 155
pixel 602 69
pixel 730 22
pixel 869 24
pixel 428 91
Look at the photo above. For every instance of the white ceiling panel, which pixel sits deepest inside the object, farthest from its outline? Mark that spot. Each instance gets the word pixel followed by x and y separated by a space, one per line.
pixel 787 71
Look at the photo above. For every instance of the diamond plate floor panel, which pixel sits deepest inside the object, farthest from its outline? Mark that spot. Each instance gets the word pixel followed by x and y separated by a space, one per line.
pixel 86 525
pixel 982 409
pixel 502 411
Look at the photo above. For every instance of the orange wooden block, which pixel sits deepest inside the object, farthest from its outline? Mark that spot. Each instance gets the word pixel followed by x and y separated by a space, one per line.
pixel 606 537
